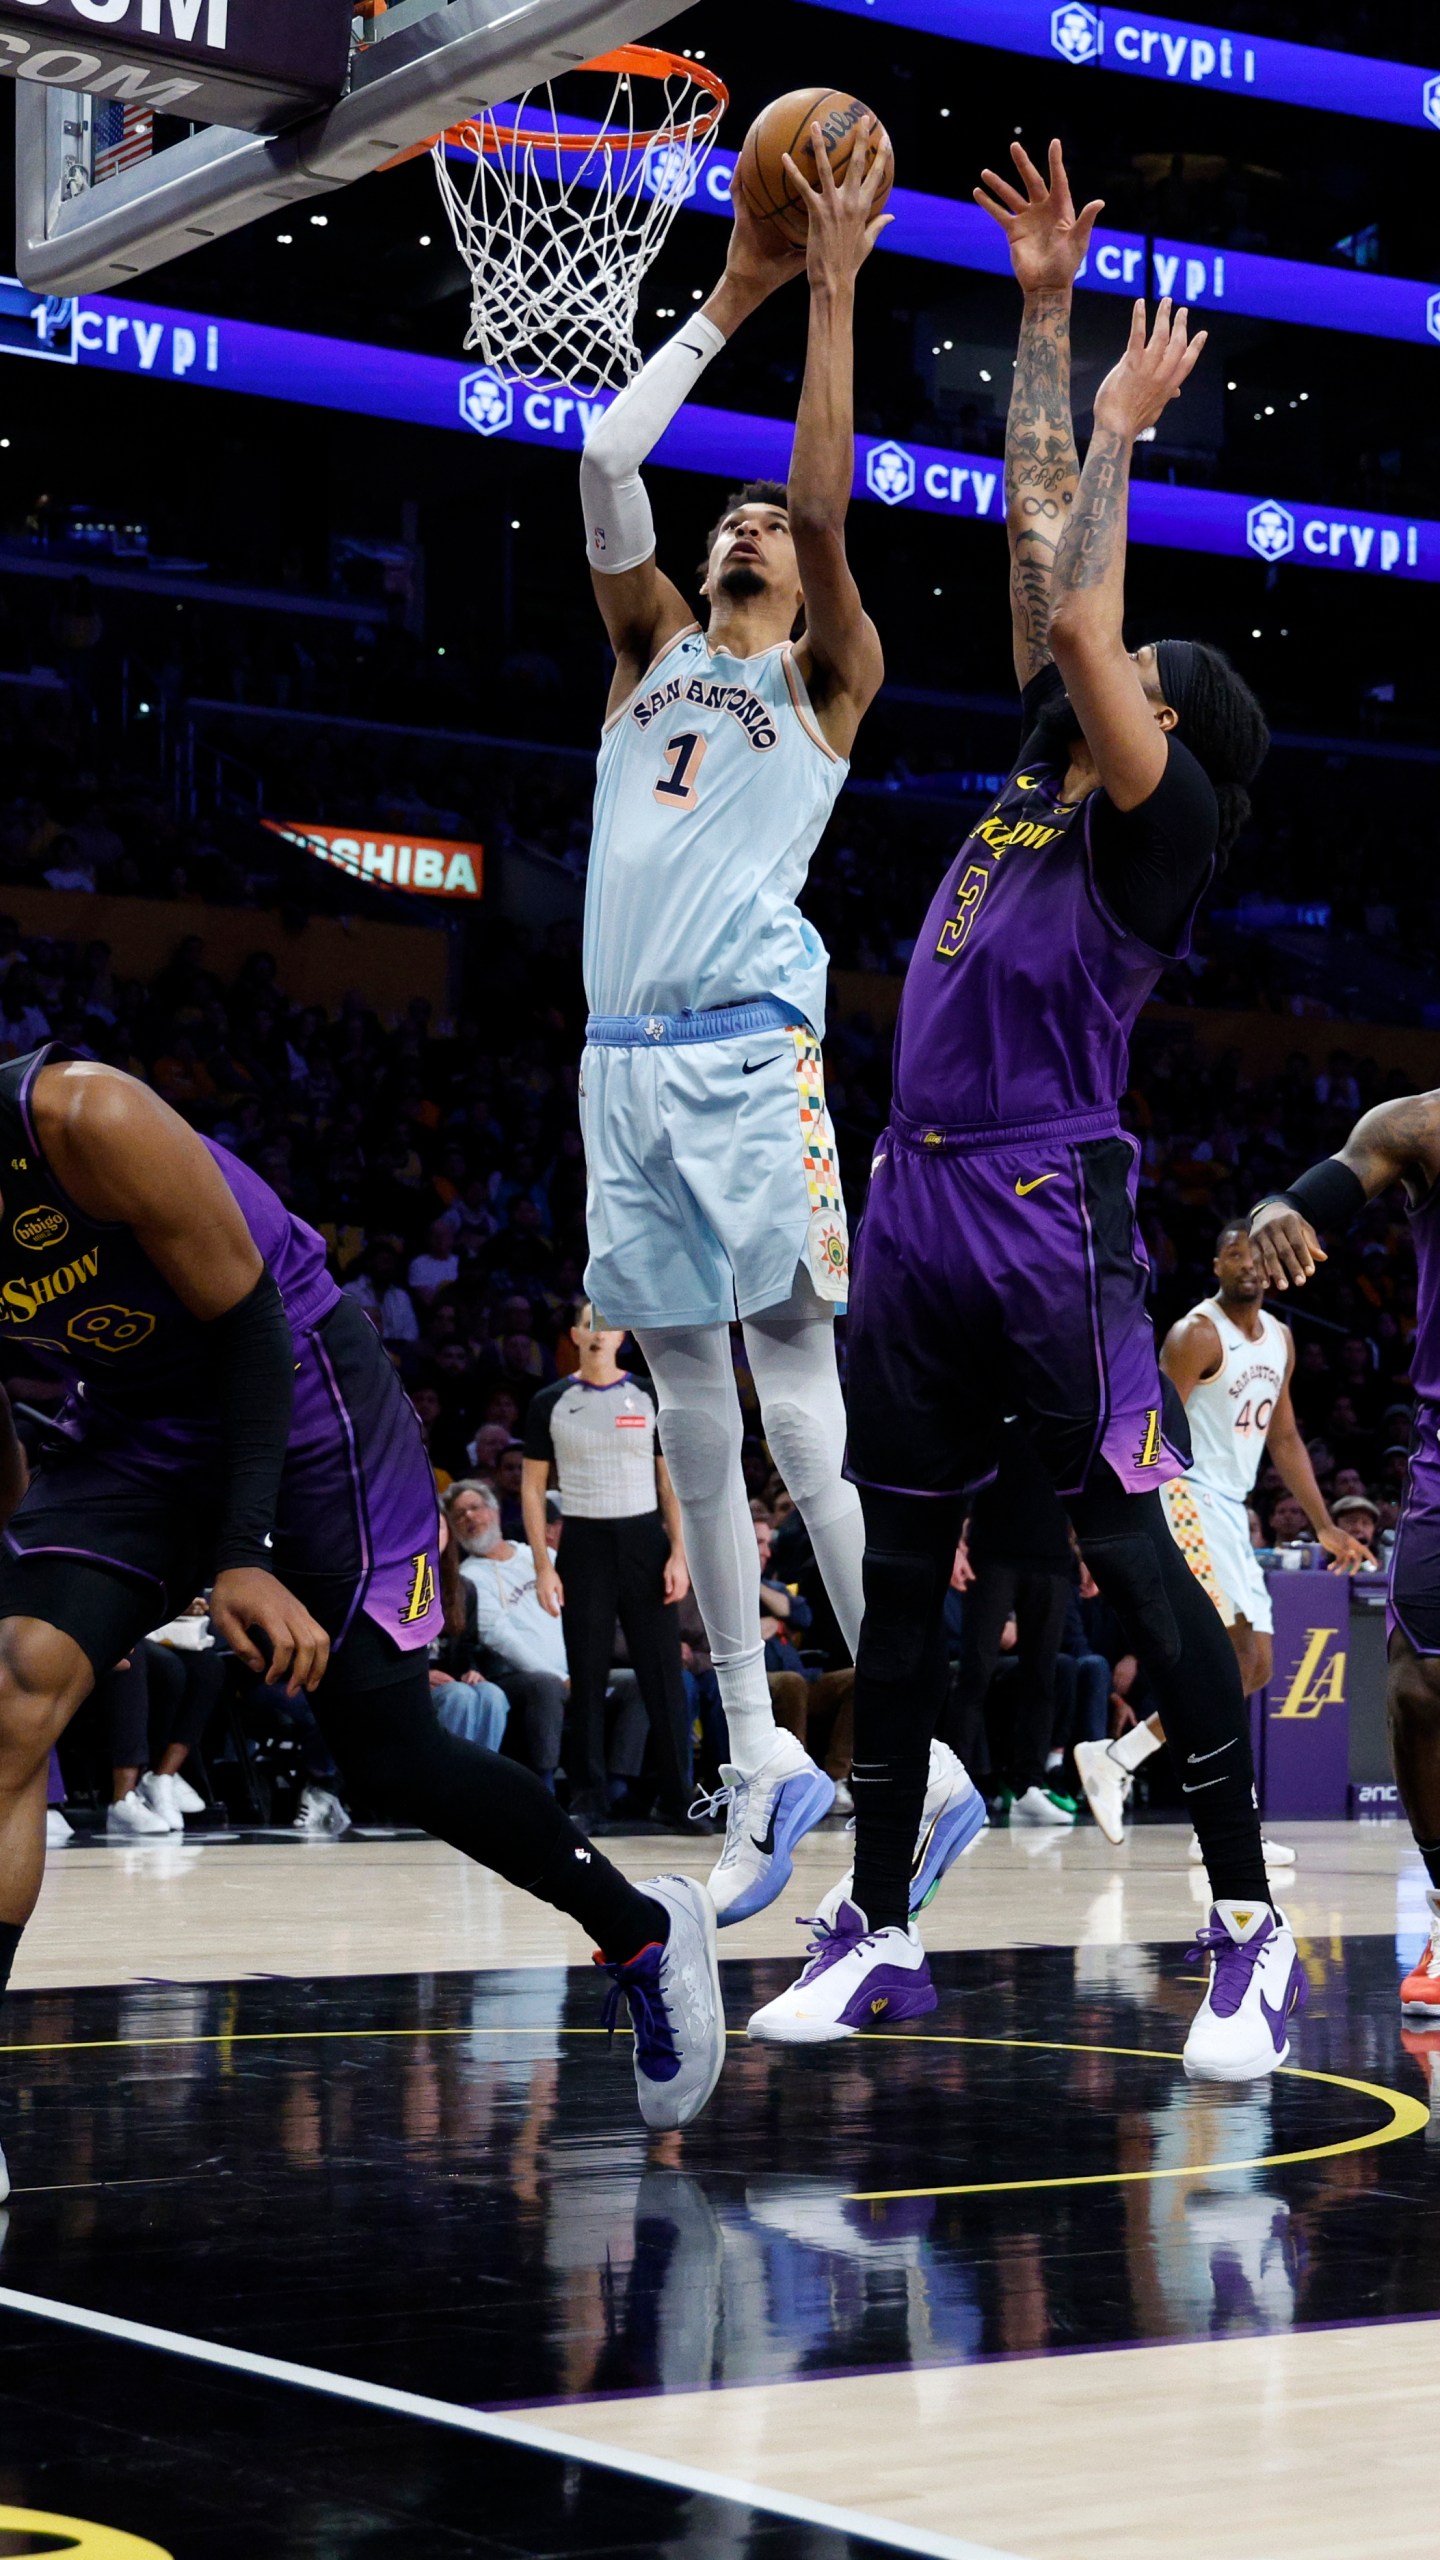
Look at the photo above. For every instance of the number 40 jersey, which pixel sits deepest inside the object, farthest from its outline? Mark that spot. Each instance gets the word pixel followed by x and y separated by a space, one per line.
pixel 715 783
pixel 1230 1412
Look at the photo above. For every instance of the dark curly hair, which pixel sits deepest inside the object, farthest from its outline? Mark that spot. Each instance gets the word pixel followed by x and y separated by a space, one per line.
pixel 1224 728
pixel 756 493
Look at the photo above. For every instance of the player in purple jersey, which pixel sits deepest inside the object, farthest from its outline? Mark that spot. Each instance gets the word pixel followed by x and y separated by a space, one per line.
pixel 1399 1142
pixel 999 1272
pixel 232 1419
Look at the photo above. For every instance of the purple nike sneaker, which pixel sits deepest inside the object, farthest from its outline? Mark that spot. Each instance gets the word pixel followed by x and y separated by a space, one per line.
pixel 1242 2026
pixel 857 1977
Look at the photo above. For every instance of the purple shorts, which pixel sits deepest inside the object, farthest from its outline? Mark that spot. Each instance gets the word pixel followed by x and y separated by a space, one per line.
pixel 355 1531
pixel 1415 1569
pixel 998 1272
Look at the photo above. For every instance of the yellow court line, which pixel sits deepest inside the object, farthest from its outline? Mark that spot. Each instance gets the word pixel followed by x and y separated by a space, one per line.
pixel 1407 2115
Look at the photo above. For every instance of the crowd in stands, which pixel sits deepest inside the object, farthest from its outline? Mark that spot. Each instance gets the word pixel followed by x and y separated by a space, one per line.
pixel 442 1163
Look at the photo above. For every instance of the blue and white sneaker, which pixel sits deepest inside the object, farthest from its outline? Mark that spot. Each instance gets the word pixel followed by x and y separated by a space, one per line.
pixel 672 1992
pixel 953 1818
pixel 765 1814
pixel 857 1977
pixel 1241 2029
pixel 951 1823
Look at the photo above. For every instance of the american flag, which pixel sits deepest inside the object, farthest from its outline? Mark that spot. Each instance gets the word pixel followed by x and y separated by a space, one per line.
pixel 124 135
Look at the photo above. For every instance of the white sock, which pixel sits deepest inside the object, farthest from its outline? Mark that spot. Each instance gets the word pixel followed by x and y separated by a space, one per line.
pixel 749 1716
pixel 1135 1746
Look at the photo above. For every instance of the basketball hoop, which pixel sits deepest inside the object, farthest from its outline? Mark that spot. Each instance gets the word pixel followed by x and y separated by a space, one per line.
pixel 558 226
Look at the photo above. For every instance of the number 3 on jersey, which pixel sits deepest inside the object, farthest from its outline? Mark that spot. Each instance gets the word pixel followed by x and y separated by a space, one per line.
pixel 684 755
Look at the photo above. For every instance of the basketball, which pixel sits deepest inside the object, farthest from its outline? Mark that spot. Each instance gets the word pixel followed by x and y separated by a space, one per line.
pixel 785 126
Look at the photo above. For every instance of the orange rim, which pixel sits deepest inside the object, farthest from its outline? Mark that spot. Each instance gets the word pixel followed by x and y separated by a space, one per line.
pixel 645 62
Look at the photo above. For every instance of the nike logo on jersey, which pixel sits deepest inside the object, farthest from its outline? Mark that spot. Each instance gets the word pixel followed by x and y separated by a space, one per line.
pixel 753 1066
pixel 1024 1189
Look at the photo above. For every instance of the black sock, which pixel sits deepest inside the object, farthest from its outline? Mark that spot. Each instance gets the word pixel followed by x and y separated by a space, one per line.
pixel 1431 1856
pixel 900 1674
pixel 11 1933
pixel 1177 1633
pixel 391 1744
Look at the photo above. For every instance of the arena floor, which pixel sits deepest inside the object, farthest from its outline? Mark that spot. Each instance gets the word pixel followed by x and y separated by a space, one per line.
pixel 334 2230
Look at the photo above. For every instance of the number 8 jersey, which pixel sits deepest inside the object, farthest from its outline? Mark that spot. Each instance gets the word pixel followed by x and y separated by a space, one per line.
pixel 714 786
pixel 1230 1412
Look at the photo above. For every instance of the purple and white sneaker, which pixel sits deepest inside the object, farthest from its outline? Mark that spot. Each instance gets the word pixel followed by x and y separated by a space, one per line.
pixel 1242 2026
pixel 857 1977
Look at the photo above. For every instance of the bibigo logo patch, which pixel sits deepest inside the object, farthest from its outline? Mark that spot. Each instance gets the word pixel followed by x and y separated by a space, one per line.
pixel 39 1228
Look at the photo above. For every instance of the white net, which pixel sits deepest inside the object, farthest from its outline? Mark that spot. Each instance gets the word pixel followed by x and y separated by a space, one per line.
pixel 558 221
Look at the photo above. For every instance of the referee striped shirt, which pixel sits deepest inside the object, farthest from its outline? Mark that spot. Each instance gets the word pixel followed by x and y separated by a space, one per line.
pixel 601 1442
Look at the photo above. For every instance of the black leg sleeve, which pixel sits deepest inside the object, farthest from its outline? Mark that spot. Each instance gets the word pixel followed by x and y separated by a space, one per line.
pixel 392 1749
pixel 900 1680
pixel 1177 1634
pixel 1040 1604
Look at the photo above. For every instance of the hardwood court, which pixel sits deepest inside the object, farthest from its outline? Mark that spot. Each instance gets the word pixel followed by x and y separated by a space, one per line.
pixel 322 2147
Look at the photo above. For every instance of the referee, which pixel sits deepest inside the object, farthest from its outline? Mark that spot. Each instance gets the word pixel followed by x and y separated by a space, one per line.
pixel 624 1557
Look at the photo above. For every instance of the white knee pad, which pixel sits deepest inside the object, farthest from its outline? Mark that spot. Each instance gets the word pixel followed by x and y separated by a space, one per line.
pixel 804 1448
pixel 700 1451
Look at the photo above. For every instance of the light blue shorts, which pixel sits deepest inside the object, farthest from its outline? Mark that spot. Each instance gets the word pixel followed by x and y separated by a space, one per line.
pixel 713 1174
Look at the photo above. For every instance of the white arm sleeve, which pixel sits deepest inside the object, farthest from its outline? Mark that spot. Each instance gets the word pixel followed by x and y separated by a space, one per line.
pixel 619 528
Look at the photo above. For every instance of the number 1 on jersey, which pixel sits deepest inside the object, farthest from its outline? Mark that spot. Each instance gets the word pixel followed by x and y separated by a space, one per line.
pixel 684 755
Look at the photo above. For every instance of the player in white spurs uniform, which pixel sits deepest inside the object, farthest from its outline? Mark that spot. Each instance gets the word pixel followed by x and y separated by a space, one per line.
pixel 1231 1362
pixel 714 1187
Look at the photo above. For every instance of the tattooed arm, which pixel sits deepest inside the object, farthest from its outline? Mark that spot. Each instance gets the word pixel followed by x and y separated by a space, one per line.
pixel 1116 698
pixel 1048 243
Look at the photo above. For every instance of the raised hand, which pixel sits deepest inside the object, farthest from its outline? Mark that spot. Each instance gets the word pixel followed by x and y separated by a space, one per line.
pixel 1152 372
pixel 844 225
pixel 762 256
pixel 1286 1243
pixel 1048 239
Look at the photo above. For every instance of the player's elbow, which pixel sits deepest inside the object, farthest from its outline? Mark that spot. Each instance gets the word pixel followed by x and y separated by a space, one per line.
pixel 817 525
pixel 1083 627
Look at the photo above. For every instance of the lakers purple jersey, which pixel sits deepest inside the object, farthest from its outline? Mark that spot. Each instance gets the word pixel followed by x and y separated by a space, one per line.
pixel 1425 1349
pixel 1020 997
pixel 85 1298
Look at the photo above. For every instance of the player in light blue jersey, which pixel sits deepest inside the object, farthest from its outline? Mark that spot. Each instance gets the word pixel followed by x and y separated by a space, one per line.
pixel 714 1184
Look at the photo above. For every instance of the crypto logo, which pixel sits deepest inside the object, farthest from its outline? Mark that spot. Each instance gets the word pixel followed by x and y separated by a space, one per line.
pixel 1270 529
pixel 669 172
pixel 890 474
pixel 1432 315
pixel 1430 100
pixel 487 402
pixel 1075 32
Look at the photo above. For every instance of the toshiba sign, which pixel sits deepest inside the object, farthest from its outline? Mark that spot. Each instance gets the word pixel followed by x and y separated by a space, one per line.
pixel 253 64
pixel 435 866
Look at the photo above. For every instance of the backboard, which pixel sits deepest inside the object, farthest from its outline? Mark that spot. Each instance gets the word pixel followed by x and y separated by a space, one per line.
pixel 98 206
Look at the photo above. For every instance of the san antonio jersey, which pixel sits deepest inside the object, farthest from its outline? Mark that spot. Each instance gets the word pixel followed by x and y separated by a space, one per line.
pixel 715 783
